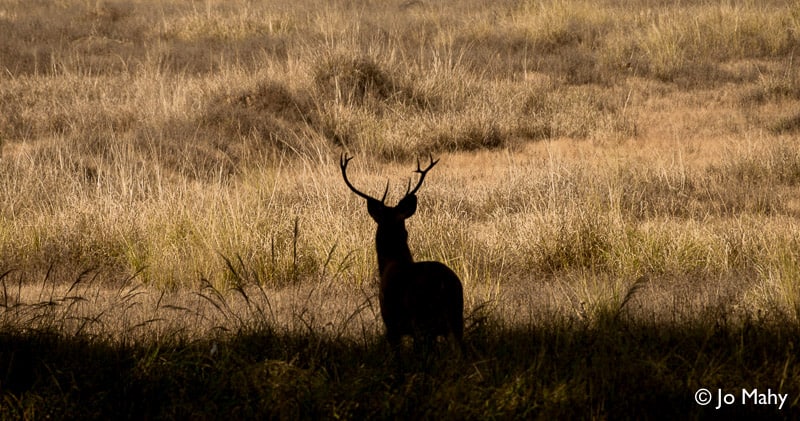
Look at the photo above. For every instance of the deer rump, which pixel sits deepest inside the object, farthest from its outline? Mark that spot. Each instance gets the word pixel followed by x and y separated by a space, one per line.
pixel 422 299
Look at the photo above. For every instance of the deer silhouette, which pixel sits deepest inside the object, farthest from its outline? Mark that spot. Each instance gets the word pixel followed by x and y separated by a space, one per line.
pixel 422 299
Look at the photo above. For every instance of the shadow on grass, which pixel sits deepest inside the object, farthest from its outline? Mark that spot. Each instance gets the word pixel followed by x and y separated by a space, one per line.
pixel 611 369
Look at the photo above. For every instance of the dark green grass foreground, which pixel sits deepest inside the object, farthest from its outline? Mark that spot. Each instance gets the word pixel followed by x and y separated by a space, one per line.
pixel 615 368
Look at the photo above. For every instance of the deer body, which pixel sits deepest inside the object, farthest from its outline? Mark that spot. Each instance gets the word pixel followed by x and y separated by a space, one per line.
pixel 421 299
pixel 411 302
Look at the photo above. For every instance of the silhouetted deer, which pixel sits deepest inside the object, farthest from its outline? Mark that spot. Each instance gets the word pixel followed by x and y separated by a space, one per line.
pixel 421 299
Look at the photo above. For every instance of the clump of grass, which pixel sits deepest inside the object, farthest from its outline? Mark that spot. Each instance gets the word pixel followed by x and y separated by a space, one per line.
pixel 567 41
pixel 472 136
pixel 788 125
pixel 576 113
pixel 273 117
pixel 775 165
pixel 774 86
pixel 355 80
pixel 777 291
pixel 687 51
pixel 581 243
pixel 267 108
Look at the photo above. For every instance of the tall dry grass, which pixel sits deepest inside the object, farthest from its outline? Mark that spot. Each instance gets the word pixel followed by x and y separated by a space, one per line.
pixel 602 163
pixel 165 139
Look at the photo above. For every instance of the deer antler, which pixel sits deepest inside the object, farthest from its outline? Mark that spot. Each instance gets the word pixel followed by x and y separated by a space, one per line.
pixel 343 161
pixel 424 172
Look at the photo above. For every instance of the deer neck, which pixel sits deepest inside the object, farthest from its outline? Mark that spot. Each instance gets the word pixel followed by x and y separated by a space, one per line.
pixel 391 244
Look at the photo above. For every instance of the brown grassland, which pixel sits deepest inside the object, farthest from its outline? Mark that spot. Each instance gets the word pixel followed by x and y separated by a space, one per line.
pixel 618 191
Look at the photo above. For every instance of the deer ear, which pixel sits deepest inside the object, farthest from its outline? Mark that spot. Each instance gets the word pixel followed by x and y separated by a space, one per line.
pixel 375 209
pixel 407 206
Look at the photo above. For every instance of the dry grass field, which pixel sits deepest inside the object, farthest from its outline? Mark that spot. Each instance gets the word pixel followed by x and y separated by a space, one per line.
pixel 618 191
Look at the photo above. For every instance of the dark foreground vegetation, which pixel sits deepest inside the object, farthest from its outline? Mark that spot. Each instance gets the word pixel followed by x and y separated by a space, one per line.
pixel 615 368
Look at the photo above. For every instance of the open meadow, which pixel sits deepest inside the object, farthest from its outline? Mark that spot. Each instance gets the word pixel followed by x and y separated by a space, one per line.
pixel 618 190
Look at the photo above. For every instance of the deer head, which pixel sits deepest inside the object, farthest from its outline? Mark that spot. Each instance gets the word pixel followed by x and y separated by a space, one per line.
pixel 377 208
pixel 391 236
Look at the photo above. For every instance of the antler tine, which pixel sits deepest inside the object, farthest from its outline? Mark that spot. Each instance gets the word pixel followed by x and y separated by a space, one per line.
pixel 422 173
pixel 385 191
pixel 343 161
pixel 433 162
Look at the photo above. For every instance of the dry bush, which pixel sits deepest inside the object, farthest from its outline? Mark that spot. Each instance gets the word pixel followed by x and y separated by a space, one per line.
pixel 269 112
pixel 353 81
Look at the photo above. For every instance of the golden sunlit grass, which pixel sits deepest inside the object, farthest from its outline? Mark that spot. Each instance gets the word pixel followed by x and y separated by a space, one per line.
pixel 617 182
